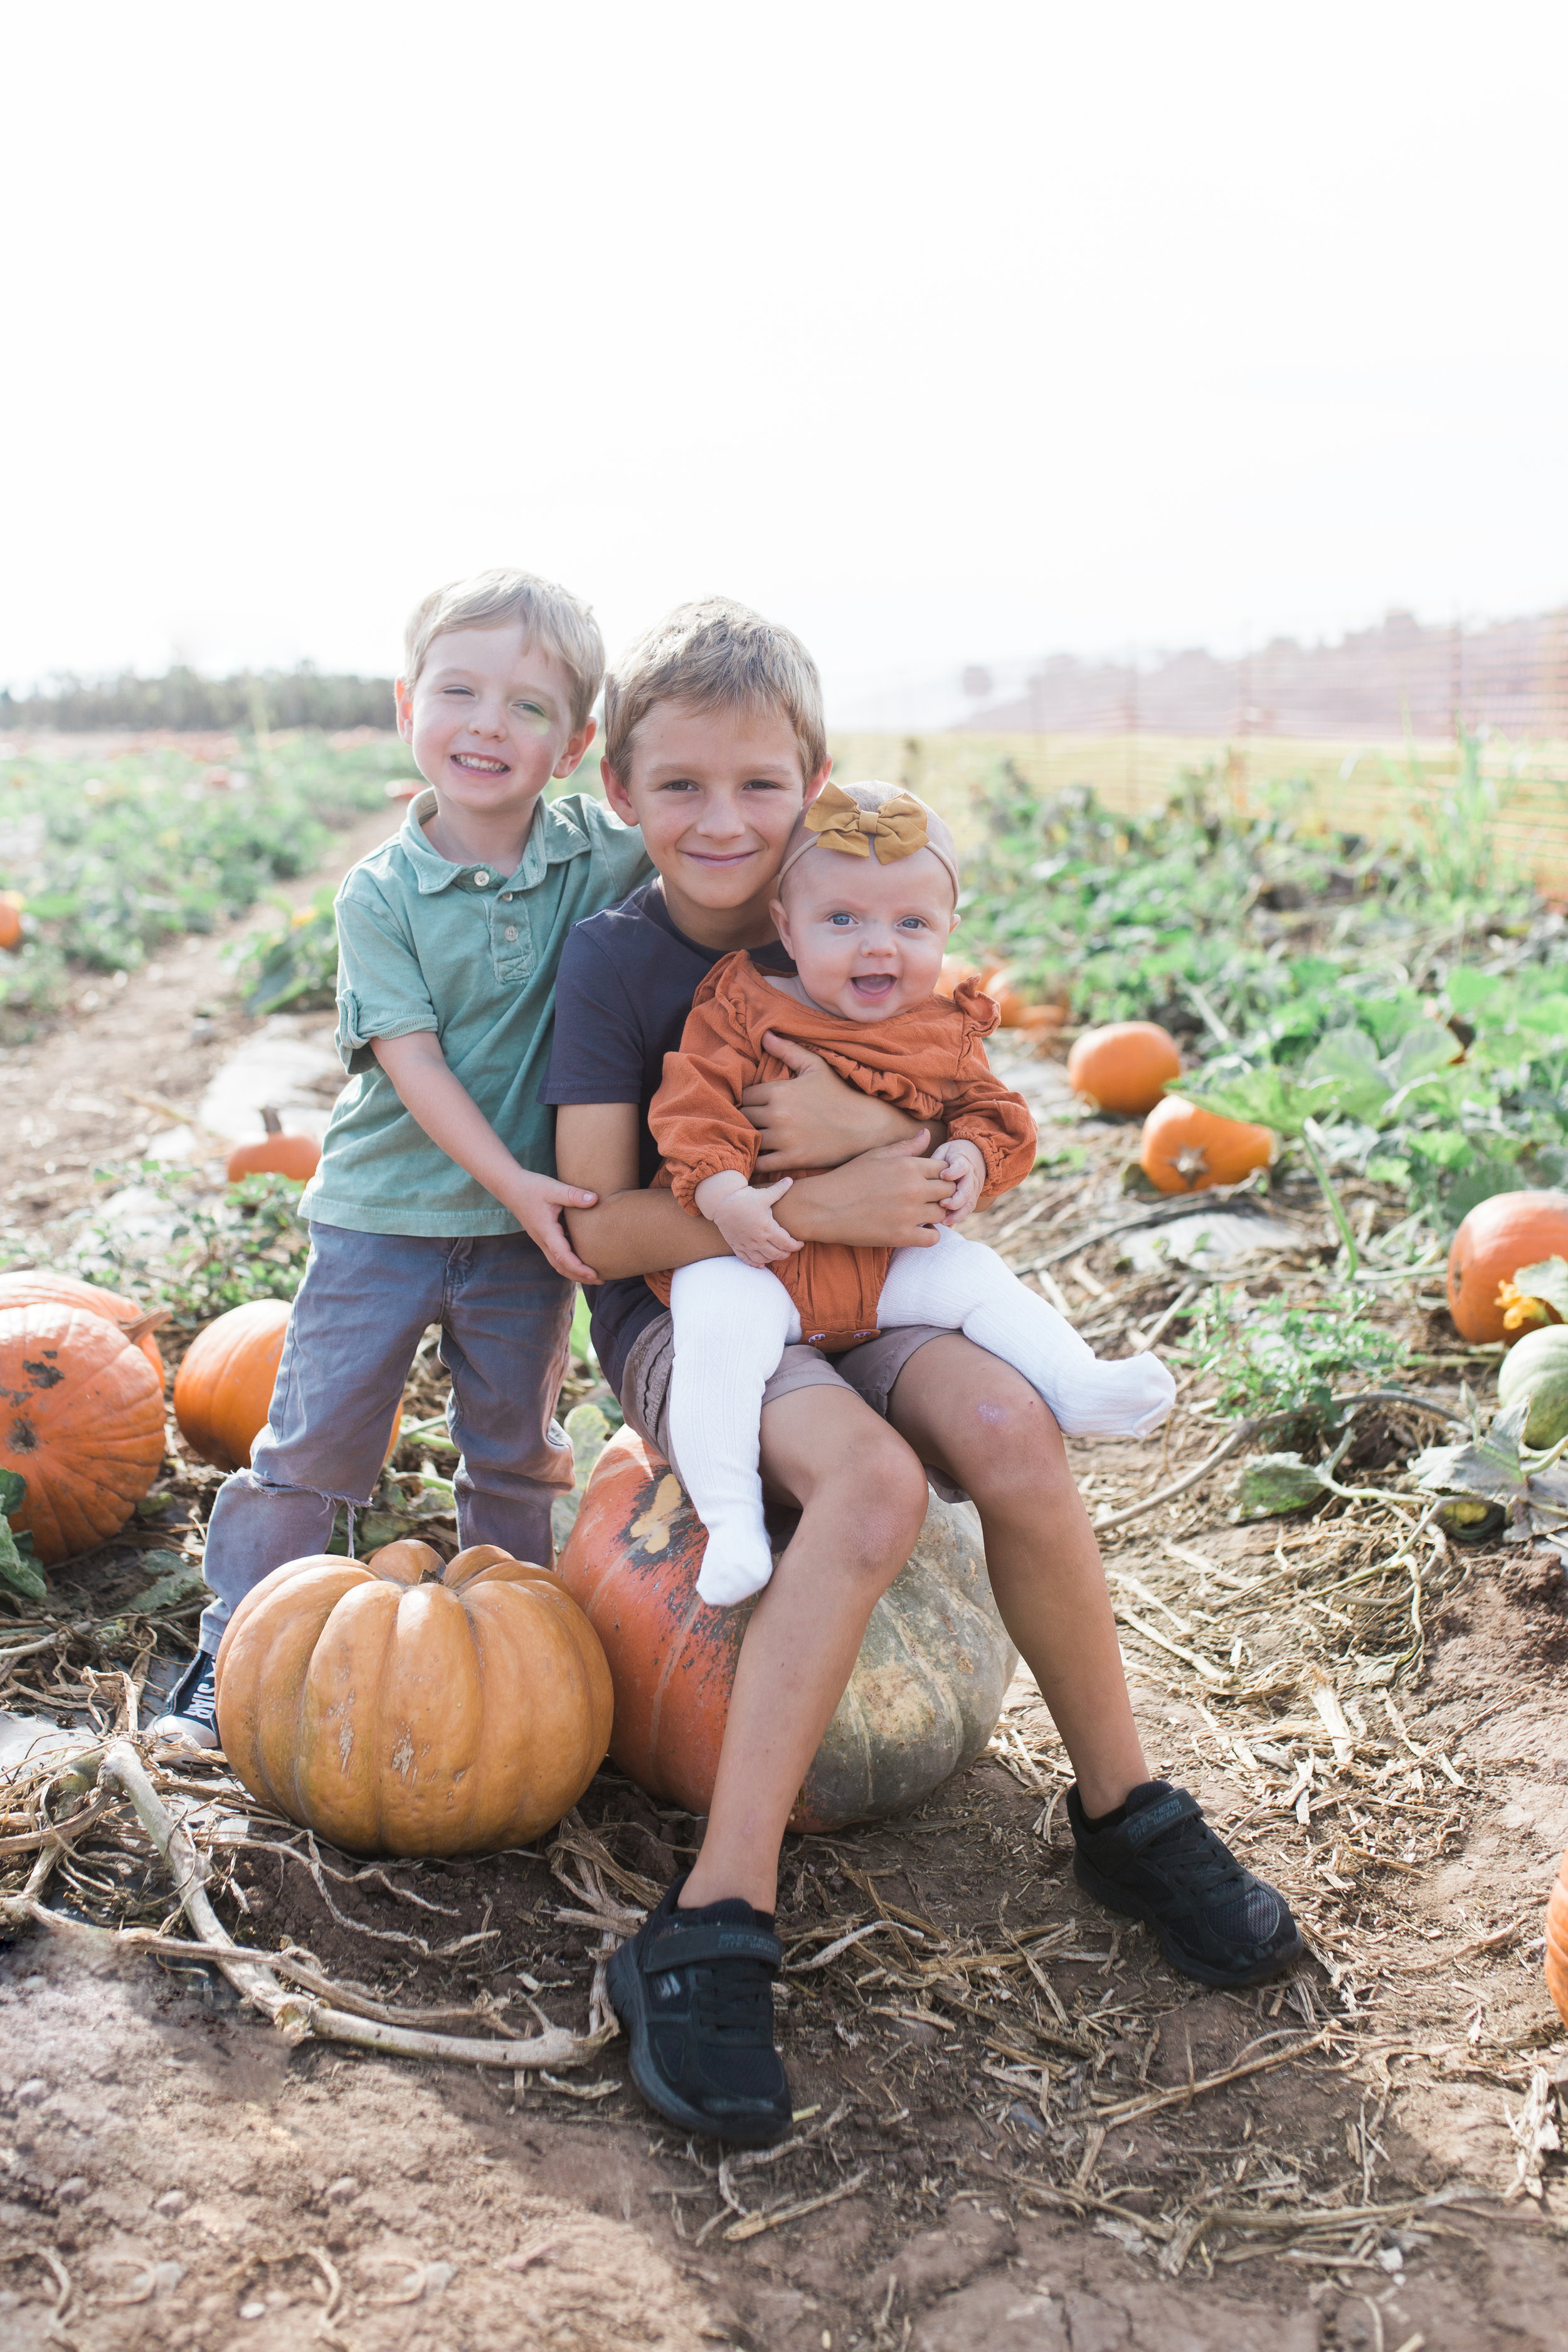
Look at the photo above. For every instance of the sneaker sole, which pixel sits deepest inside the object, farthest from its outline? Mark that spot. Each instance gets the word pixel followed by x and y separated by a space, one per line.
pixel 189 1734
pixel 1106 1892
pixel 623 1984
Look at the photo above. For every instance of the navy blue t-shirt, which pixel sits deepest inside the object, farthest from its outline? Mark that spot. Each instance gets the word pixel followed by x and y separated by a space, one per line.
pixel 624 990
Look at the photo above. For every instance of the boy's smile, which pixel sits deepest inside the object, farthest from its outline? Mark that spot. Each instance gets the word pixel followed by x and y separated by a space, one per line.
pixel 716 793
pixel 490 719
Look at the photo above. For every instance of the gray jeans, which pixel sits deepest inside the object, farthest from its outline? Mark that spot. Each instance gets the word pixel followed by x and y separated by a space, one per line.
pixel 364 1304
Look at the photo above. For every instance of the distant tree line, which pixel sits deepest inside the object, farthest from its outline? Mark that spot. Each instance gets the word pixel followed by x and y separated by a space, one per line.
pixel 270 698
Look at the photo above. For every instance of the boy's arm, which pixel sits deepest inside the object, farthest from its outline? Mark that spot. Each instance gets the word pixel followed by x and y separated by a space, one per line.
pixel 817 1119
pixel 452 1120
pixel 891 1199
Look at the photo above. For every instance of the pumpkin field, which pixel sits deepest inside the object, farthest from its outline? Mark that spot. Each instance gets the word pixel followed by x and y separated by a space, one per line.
pixel 276 2078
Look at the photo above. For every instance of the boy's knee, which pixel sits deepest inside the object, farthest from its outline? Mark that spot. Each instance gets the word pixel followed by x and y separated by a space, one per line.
pixel 1007 1439
pixel 884 1497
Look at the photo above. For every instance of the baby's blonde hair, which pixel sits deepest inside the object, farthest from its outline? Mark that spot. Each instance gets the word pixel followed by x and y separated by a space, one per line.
pixel 715 655
pixel 548 616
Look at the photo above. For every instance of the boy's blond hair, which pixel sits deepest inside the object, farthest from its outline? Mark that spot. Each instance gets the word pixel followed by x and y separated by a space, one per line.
pixel 548 616
pixel 715 655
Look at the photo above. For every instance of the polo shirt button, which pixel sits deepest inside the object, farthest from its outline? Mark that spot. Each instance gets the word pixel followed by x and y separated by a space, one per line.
pixel 481 877
pixel 511 931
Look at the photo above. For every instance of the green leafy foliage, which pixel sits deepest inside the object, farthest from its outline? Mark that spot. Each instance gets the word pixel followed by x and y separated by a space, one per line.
pixel 18 1562
pixel 1286 1359
pixel 294 965
pixel 116 855
pixel 204 1257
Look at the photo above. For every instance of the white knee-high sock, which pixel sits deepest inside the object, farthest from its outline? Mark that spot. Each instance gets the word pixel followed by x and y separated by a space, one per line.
pixel 731 1325
pixel 964 1287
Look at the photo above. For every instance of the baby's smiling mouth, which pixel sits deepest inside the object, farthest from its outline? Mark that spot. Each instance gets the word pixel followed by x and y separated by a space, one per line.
pixel 873 984
pixel 478 765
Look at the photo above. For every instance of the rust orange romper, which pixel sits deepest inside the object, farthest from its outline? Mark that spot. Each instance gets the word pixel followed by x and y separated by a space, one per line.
pixel 929 1060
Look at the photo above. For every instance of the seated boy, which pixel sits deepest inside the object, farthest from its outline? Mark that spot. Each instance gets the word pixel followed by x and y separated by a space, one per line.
pixel 714 742
pixel 436 1201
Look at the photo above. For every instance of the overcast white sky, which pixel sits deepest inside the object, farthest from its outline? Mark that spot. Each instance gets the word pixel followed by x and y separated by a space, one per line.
pixel 946 334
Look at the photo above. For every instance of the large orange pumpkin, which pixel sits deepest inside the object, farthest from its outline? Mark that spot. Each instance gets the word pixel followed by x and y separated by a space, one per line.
pixel 223 1391
pixel 1186 1149
pixel 39 1288
pixel 922 1701
pixel 399 1706
pixel 1499 1236
pixel 81 1419
pixel 276 1154
pixel 1557 1940
pixel 1124 1067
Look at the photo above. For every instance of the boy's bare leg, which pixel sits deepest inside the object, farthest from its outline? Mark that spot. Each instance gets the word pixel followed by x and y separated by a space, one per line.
pixel 862 1496
pixel 969 1414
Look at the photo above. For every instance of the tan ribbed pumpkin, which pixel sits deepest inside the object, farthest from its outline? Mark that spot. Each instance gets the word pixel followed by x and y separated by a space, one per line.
pixel 397 1705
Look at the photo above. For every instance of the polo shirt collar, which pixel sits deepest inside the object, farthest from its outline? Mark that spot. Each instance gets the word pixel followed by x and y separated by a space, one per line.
pixel 552 836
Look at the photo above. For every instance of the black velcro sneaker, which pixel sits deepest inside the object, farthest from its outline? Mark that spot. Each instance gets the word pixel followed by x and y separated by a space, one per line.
pixel 694 1993
pixel 1156 1859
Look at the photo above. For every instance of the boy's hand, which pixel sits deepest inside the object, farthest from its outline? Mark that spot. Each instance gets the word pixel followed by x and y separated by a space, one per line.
pixel 965 1163
pixel 815 1120
pixel 744 1217
pixel 536 1201
pixel 892 1199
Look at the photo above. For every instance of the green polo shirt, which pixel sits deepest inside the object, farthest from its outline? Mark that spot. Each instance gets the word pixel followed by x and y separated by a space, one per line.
pixel 471 954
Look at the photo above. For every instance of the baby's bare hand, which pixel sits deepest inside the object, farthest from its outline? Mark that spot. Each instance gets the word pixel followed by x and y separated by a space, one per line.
pixel 963 1162
pixel 745 1219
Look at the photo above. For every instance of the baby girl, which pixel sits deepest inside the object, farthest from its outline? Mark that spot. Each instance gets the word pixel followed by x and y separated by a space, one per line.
pixel 866 898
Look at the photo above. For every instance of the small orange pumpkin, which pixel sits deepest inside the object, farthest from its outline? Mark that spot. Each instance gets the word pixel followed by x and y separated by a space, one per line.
pixel 1557 1940
pixel 276 1154
pixel 41 1289
pixel 1124 1067
pixel 404 1706
pixel 10 921
pixel 1187 1150
pixel 81 1419
pixel 1499 1236
pixel 223 1390
pixel 955 972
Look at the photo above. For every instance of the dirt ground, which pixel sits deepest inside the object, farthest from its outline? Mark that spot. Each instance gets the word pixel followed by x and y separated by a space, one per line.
pixel 1009 2131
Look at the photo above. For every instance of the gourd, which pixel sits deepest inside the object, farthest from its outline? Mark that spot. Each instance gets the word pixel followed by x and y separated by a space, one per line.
pixel 1013 1011
pixel 1186 1148
pixel 1556 1965
pixel 1124 1067
pixel 1538 1367
pixel 276 1154
pixel 41 1289
pixel 923 1699
pixel 1499 1236
pixel 223 1391
pixel 10 922
pixel 81 1423
pixel 402 1706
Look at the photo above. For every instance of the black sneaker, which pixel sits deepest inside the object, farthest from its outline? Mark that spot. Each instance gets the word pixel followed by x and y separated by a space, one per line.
pixel 1157 1859
pixel 191 1713
pixel 694 1992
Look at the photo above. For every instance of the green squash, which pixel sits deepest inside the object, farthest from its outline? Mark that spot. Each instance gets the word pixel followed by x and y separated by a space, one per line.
pixel 1538 1367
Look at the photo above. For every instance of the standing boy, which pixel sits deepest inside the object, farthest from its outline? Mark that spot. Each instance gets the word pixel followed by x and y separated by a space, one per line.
pixel 437 1200
pixel 714 741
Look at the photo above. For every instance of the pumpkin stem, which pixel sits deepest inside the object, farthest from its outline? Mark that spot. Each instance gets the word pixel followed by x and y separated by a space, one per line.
pixel 433 1575
pixel 145 1323
pixel 270 1120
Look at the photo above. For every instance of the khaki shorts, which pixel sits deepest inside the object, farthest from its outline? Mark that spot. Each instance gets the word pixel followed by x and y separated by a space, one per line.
pixel 868 1372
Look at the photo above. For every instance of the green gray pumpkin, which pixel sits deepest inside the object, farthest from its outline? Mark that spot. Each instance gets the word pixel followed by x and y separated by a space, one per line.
pixel 1537 1367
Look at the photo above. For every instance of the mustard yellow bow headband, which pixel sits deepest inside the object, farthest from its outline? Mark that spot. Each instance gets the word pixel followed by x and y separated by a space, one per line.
pixel 898 826
pixel 868 817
